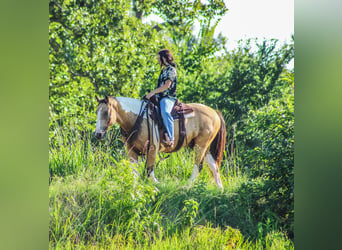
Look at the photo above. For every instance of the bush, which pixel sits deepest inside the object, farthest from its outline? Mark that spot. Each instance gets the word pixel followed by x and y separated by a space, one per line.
pixel 267 141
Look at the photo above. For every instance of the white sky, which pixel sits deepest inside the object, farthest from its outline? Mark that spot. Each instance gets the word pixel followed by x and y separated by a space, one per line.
pixel 257 19
pixel 254 19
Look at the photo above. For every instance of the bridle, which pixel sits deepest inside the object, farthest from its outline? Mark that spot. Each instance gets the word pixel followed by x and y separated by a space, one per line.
pixel 108 120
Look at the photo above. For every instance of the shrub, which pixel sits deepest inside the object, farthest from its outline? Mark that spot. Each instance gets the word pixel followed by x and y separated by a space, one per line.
pixel 268 144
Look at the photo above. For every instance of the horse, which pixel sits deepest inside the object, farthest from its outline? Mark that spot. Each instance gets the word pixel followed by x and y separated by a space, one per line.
pixel 205 133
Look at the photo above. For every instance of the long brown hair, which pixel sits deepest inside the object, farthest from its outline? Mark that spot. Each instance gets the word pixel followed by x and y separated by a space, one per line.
pixel 167 55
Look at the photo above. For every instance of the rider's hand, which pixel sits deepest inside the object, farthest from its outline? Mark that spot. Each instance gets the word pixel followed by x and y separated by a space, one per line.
pixel 149 95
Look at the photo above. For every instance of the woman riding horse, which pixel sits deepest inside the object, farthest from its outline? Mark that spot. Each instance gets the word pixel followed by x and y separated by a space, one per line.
pixel 205 127
pixel 166 92
pixel 205 133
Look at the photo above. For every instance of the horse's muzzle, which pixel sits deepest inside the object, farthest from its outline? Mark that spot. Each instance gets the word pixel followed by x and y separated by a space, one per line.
pixel 99 135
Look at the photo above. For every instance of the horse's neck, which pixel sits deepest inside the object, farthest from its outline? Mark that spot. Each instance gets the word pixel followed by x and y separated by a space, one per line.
pixel 129 104
pixel 127 111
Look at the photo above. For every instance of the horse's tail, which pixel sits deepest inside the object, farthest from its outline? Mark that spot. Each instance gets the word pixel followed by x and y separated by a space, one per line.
pixel 218 144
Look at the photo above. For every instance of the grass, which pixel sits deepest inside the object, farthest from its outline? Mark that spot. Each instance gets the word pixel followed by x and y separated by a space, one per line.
pixel 96 203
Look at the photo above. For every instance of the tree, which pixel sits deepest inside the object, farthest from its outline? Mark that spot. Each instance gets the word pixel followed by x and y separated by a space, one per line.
pixel 142 7
pixel 190 51
pixel 267 146
pixel 97 47
pixel 242 80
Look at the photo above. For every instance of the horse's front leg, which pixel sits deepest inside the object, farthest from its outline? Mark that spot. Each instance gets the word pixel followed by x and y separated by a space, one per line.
pixel 151 156
pixel 133 159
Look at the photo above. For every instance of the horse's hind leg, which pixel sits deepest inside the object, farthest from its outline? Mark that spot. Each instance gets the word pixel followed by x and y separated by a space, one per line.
pixel 209 159
pixel 199 154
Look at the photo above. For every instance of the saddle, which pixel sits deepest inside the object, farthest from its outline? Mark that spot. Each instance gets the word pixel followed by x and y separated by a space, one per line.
pixel 178 111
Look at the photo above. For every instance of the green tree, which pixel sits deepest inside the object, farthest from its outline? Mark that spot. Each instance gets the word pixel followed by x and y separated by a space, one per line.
pixel 267 143
pixel 180 18
pixel 142 7
pixel 243 79
pixel 97 47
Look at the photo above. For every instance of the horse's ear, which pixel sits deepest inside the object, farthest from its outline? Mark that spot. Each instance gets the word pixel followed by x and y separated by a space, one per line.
pixel 97 99
pixel 106 99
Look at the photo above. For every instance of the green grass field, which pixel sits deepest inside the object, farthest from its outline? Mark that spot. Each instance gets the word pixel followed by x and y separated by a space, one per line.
pixel 95 202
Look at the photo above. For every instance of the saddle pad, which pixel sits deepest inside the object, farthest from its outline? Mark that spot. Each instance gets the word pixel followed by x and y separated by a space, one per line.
pixel 181 109
pixel 188 115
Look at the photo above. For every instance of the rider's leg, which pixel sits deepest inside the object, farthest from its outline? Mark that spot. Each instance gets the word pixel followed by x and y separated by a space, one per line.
pixel 166 105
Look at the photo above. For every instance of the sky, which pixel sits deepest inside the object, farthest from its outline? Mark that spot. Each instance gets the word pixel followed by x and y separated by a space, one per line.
pixel 254 19
pixel 257 19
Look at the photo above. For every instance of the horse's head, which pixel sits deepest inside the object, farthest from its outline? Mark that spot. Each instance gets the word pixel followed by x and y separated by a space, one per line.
pixel 106 116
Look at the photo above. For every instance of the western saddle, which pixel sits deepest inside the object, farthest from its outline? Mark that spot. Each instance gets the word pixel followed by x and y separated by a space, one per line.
pixel 178 111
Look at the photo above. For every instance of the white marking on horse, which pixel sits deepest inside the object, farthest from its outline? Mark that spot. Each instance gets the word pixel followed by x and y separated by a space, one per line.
pixel 209 159
pixel 154 179
pixel 192 114
pixel 134 105
pixel 98 122
pixel 129 104
pixel 195 173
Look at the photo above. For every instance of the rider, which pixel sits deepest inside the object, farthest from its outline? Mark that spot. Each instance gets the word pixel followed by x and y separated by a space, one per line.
pixel 166 92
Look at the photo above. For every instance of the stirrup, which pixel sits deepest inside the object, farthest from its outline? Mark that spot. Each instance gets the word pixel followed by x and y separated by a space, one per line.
pixel 168 142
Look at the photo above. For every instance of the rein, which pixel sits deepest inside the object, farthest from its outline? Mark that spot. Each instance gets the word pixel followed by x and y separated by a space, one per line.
pixel 133 133
pixel 182 130
pixel 131 136
pixel 109 115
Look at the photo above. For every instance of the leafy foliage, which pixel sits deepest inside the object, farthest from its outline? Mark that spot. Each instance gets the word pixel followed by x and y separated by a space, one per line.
pixel 268 142
pixel 97 47
pixel 241 80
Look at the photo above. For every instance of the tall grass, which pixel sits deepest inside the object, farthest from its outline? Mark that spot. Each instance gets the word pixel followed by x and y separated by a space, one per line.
pixel 95 202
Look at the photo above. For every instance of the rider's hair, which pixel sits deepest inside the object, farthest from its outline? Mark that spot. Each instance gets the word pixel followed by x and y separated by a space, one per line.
pixel 166 55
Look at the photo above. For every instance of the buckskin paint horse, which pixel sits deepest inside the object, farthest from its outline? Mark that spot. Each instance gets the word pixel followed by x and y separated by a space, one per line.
pixel 205 132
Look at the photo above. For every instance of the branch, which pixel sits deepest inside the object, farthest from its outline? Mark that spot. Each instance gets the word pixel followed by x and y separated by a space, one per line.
pixel 91 79
pixel 75 32
pixel 57 20
pixel 54 45
pixel 77 75
pixel 60 85
pixel 57 4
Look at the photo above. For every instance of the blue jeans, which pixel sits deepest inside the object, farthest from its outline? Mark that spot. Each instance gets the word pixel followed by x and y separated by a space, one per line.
pixel 166 105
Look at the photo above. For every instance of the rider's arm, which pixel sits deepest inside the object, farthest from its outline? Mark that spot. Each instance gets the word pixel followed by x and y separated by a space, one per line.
pixel 160 89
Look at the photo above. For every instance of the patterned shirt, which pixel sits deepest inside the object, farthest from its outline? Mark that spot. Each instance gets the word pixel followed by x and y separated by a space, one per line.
pixel 168 73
